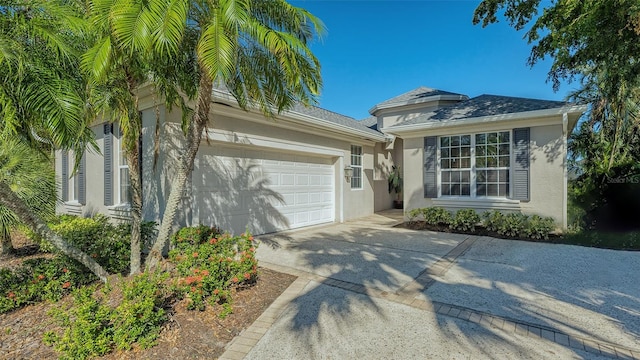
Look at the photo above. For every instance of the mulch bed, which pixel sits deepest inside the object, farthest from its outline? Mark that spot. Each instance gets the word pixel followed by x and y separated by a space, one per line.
pixel 187 335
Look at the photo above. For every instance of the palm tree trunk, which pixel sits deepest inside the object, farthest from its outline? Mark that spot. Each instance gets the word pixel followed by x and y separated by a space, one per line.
pixel 9 199
pixel 6 247
pixel 190 150
pixel 136 207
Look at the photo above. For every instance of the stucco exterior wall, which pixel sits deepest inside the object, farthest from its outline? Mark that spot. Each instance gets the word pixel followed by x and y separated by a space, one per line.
pixel 385 156
pixel 547 175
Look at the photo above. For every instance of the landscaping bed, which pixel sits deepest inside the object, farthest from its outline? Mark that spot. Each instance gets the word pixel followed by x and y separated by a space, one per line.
pixel 206 292
pixel 515 226
pixel 187 334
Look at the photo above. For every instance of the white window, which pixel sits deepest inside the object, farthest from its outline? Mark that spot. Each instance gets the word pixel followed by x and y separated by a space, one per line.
pixel 73 183
pixel 356 164
pixel 124 186
pixel 475 165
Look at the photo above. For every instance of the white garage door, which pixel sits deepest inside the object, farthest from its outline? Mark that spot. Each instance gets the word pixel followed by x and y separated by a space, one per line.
pixel 264 191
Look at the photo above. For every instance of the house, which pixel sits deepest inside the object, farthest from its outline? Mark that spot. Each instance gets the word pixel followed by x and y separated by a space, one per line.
pixel 312 166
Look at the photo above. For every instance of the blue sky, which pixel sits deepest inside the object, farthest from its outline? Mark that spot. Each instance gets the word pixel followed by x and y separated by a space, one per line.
pixel 375 50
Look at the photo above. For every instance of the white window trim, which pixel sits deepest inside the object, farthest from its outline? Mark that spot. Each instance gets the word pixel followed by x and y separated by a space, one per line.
pixel 120 204
pixel 72 181
pixel 472 192
pixel 361 166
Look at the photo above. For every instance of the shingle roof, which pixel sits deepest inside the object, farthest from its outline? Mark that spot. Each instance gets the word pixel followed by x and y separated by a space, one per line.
pixel 320 113
pixel 415 94
pixel 371 122
pixel 334 117
pixel 484 105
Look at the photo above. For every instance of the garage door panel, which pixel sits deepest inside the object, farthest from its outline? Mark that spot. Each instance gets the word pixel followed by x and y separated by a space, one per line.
pixel 288 179
pixel 267 191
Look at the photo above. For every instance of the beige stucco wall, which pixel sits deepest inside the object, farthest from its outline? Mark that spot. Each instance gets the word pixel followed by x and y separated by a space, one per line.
pixel 385 156
pixel 547 173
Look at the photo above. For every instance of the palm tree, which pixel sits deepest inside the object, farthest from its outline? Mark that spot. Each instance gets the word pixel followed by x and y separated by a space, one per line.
pixel 41 97
pixel 114 76
pixel 30 176
pixel 256 49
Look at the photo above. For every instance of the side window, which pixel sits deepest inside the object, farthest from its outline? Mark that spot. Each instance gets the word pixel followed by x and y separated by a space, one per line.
pixel 124 186
pixel 356 164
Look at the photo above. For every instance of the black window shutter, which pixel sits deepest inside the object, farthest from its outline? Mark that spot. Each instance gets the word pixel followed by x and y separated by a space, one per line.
pixel 430 167
pixel 82 180
pixel 108 164
pixel 521 185
pixel 64 160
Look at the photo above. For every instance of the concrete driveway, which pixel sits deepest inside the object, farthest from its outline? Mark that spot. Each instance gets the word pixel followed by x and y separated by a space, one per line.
pixel 367 290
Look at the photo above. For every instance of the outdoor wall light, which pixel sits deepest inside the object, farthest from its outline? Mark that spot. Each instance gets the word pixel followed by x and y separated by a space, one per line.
pixel 348 173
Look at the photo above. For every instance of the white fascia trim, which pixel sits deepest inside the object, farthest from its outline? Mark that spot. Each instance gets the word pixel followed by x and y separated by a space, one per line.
pixel 309 120
pixel 483 203
pixel 240 139
pixel 403 129
pixel 379 107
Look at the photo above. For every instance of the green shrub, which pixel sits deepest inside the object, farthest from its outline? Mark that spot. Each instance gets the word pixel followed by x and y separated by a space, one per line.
pixel 209 269
pixel 41 279
pixel 50 279
pixel 513 224
pixel 87 328
pixel 538 227
pixel 492 220
pixel 93 328
pixel 437 216
pixel 195 235
pixel 465 220
pixel 414 213
pixel 108 244
pixel 139 317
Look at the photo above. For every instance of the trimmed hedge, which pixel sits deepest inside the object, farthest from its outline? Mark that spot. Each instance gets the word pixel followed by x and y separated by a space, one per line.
pixel 466 220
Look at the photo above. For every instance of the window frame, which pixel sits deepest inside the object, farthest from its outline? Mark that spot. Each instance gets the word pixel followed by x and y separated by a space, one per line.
pixel 72 181
pixel 359 154
pixel 120 167
pixel 473 168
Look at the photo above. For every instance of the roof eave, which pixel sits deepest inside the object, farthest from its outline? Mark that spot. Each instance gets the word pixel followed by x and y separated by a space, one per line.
pixel 403 129
pixel 379 107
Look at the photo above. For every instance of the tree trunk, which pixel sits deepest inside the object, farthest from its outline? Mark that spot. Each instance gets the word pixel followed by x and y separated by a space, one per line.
pixel 133 153
pixel 9 199
pixel 133 156
pixel 189 152
pixel 6 247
